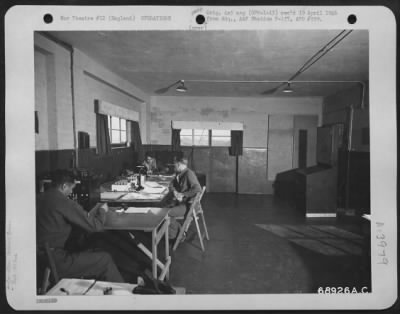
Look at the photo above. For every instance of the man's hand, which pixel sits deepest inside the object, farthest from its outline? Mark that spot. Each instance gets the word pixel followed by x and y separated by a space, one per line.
pixel 104 207
pixel 178 196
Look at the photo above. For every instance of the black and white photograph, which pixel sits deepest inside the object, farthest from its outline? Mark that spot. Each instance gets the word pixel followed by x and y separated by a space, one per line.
pixel 202 162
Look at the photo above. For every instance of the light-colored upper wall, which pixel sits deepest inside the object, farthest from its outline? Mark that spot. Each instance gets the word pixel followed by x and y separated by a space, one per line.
pixel 92 81
pixel 253 112
pixel 52 95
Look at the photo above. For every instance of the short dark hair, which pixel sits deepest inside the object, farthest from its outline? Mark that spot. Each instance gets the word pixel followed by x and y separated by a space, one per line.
pixel 181 160
pixel 61 176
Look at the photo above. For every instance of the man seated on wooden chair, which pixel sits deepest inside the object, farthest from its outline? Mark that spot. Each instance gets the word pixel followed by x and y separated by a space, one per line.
pixel 57 216
pixel 183 188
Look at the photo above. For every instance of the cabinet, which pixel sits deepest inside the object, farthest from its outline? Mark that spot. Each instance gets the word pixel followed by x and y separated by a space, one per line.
pixel 316 191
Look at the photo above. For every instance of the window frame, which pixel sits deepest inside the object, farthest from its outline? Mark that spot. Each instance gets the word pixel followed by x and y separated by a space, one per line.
pixel 111 128
pixel 209 139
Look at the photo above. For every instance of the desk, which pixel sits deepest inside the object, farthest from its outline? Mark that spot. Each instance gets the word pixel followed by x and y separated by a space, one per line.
pixel 155 221
pixel 95 288
pixel 89 287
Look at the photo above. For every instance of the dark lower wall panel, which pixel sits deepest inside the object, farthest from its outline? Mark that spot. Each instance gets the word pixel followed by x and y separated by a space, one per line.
pixel 49 160
pixel 107 166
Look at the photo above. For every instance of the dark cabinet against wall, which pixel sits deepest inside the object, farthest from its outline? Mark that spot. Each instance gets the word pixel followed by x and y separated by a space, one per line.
pixel 316 190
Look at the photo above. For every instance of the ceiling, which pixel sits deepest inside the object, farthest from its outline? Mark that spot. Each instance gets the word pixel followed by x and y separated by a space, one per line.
pixel 152 60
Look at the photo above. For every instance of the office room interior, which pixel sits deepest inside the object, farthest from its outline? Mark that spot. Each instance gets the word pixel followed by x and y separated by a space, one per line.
pixel 274 123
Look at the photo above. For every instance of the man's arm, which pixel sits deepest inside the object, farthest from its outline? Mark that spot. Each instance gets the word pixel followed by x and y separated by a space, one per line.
pixel 193 184
pixel 76 215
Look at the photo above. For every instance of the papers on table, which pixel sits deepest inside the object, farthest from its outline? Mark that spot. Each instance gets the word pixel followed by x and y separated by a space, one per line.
pixel 152 184
pixel 72 286
pixel 137 210
pixel 67 287
pixel 153 188
pixel 111 195
pixel 140 196
pixel 150 190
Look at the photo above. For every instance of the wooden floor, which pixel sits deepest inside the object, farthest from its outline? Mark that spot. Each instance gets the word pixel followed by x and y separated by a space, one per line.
pixel 262 245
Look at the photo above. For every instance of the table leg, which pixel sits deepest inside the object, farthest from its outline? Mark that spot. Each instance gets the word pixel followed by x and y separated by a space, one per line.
pixel 154 251
pixel 167 221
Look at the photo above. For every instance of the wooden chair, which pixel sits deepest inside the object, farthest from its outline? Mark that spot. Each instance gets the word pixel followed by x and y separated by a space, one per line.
pixel 50 269
pixel 195 213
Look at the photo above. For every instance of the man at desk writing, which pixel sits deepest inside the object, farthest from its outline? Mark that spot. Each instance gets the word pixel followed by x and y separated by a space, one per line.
pixel 56 217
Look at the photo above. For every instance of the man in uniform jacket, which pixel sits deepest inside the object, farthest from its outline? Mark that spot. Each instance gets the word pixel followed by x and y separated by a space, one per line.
pixel 57 216
pixel 184 188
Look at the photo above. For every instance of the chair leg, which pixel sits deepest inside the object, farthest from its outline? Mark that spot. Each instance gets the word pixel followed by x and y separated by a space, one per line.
pixel 179 238
pixel 204 225
pixel 45 281
pixel 199 232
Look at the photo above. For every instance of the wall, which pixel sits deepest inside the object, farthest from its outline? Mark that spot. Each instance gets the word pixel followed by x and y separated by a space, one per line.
pixel 215 162
pixel 53 101
pixel 253 112
pixel 53 96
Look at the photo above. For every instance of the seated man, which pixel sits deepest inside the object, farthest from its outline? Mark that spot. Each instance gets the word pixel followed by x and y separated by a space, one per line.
pixel 183 188
pixel 57 215
pixel 150 165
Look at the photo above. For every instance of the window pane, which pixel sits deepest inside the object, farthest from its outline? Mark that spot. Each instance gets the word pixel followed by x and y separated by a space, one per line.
pixel 201 140
pixel 115 123
pixel 186 140
pixel 123 136
pixel 221 141
pixel 115 136
pixel 200 132
pixel 109 122
pixel 221 133
pixel 123 124
pixel 186 132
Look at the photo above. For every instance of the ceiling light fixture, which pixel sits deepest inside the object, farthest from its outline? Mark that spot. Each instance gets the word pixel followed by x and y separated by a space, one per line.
pixel 288 89
pixel 181 88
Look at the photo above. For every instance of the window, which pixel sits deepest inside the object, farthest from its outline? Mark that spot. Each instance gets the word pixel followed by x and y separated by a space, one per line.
pixel 205 137
pixel 220 138
pixel 117 129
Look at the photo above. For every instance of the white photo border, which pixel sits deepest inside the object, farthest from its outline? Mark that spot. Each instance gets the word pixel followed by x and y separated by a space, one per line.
pixel 20 24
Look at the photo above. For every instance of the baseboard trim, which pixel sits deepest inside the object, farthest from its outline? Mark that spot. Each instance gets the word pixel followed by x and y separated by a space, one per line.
pixel 317 215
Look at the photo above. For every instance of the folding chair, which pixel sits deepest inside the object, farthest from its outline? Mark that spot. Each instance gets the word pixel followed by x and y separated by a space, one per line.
pixel 50 269
pixel 195 212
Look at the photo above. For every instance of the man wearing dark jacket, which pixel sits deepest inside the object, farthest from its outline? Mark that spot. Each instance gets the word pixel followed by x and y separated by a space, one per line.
pixel 184 188
pixel 57 215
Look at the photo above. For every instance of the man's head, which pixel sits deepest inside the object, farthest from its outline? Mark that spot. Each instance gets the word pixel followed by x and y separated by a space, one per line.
pixel 180 164
pixel 149 159
pixel 64 181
